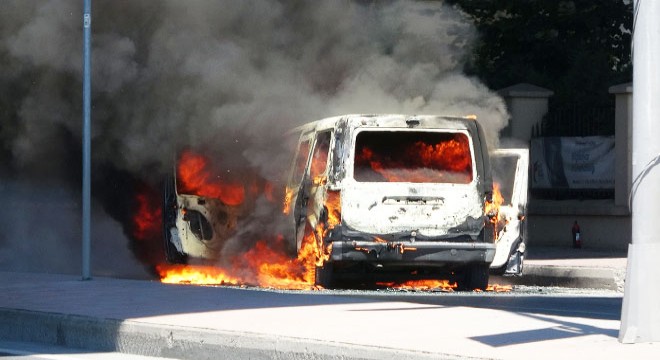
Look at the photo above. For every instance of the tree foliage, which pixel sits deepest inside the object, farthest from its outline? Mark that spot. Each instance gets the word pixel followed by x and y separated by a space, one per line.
pixel 575 48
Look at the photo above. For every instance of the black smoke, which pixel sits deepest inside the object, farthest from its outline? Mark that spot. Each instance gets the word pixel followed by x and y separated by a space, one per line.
pixel 226 77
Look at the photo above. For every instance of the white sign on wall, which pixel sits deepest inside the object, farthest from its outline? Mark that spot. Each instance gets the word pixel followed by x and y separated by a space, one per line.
pixel 572 162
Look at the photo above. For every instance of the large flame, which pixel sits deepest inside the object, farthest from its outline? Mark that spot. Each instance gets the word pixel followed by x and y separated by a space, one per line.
pixel 195 177
pixel 445 161
pixel 266 264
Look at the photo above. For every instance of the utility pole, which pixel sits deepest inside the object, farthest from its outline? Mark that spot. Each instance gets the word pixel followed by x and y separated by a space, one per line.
pixel 86 186
pixel 640 315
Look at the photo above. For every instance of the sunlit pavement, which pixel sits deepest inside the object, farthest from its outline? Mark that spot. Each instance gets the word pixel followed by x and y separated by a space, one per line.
pixel 154 319
pixel 568 267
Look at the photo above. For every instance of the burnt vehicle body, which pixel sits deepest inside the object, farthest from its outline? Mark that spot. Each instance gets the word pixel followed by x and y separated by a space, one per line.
pixel 392 195
pixel 198 220
pixel 510 172
pixel 395 194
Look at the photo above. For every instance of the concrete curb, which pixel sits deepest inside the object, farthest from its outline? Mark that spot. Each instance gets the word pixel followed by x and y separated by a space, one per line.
pixel 145 339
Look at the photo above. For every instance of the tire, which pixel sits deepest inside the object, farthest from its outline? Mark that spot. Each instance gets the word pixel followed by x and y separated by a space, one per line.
pixel 476 277
pixel 172 255
pixel 324 276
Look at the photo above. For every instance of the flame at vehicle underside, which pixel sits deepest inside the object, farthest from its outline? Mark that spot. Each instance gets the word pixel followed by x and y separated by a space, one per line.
pixel 267 263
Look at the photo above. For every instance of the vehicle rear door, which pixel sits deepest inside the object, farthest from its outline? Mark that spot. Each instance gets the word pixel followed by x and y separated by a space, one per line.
pixel 296 193
pixel 510 169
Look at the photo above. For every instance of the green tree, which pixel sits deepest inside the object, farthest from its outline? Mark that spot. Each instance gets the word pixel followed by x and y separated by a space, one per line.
pixel 575 48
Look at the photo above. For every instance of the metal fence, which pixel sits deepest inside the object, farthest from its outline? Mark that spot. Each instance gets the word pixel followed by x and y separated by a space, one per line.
pixel 575 120
pixel 570 121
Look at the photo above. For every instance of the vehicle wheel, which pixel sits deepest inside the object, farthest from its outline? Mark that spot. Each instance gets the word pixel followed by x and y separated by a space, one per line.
pixel 324 276
pixel 172 255
pixel 476 277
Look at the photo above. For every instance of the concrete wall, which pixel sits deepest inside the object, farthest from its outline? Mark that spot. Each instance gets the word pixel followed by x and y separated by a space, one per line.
pixel 596 232
pixel 527 105
pixel 603 225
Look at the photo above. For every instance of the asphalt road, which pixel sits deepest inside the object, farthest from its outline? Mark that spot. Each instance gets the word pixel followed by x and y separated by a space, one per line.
pixel 591 303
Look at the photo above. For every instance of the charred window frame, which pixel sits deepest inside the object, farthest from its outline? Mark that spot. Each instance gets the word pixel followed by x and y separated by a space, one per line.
pixel 396 146
pixel 320 158
pixel 503 166
pixel 300 163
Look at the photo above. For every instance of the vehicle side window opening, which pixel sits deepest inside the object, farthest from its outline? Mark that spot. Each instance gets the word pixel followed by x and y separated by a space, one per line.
pixel 319 162
pixel 301 162
pixel 413 156
pixel 504 169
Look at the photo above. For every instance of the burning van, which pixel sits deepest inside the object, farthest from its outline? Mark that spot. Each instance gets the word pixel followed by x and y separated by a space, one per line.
pixel 370 196
pixel 403 195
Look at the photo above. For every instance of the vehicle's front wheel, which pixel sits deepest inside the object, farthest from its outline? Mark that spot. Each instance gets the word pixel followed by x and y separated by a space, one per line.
pixel 324 276
pixel 476 277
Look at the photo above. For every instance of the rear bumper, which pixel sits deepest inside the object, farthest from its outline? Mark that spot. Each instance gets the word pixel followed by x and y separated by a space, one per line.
pixel 407 253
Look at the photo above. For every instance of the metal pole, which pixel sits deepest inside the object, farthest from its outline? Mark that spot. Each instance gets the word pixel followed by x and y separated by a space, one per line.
pixel 640 315
pixel 86 186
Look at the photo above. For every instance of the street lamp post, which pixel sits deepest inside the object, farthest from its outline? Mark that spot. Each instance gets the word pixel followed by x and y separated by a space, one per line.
pixel 86 186
pixel 640 315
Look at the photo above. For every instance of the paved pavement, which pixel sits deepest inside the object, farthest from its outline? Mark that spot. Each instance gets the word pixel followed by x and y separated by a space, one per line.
pixel 568 267
pixel 154 319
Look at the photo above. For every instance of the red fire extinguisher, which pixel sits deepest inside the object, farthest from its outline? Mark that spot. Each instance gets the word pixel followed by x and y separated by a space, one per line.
pixel 577 244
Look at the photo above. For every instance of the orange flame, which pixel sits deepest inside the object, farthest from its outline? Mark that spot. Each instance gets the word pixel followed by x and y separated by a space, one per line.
pixel 266 264
pixel 422 162
pixel 333 204
pixel 499 288
pixel 288 197
pixel 194 177
pixel 492 208
pixel 195 274
pixel 147 219
pixel 145 227
pixel 442 285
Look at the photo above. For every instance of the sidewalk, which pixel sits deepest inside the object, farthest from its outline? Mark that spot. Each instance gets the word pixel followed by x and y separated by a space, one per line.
pixel 190 322
pixel 568 267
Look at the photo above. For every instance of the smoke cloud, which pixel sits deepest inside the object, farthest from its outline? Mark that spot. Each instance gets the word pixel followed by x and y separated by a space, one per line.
pixel 227 77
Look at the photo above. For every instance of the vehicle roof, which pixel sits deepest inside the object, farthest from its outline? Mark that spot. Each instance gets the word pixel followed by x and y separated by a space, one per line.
pixel 390 121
